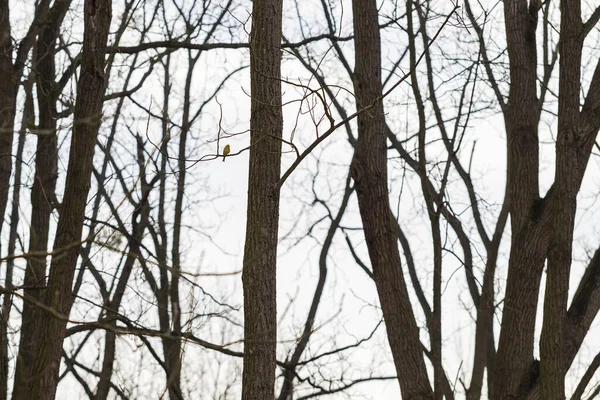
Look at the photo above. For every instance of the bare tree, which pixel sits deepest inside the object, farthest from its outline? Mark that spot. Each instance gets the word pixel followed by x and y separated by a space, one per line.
pixel 514 370
pixel 12 71
pixel 126 295
pixel 542 227
pixel 43 198
pixel 369 171
pixel 12 243
pixel 50 330
pixel 138 236
pixel 12 65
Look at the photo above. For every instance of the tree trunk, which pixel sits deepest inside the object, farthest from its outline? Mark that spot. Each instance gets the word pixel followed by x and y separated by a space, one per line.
pixel 260 250
pixel 8 95
pixel 43 190
pixel 542 228
pixel 11 73
pixel 529 238
pixel 369 171
pixel 566 183
pixel 50 330
pixel 12 244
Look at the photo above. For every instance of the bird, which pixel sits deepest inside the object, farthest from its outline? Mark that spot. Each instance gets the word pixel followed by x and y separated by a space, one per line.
pixel 226 151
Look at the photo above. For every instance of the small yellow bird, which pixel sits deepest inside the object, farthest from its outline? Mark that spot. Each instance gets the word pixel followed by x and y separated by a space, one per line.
pixel 226 151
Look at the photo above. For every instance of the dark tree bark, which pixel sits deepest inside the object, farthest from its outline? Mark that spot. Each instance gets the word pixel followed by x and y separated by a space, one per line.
pixel 50 330
pixel 260 250
pixel 369 171
pixel 43 192
pixel 170 346
pixel 12 63
pixel 529 243
pixel 434 322
pixel 139 222
pixel 569 155
pixel 542 228
pixel 8 95
pixel 28 114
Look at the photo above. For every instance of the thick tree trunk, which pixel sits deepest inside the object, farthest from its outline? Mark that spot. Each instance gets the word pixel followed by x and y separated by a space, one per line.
pixel 88 110
pixel 260 251
pixel 542 228
pixel 569 156
pixel 529 236
pixel 369 171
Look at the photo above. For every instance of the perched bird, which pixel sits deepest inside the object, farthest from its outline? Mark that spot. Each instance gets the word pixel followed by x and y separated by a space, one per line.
pixel 226 151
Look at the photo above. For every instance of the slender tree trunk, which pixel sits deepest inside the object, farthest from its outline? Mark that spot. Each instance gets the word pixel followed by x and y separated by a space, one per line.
pixel 8 95
pixel 287 387
pixel 11 72
pixel 12 244
pixel 369 171
pixel 260 251
pixel 170 346
pixel 139 222
pixel 88 110
pixel 138 229
pixel 43 190
pixel 434 322
pixel 104 384
pixel 173 358
pixel 484 327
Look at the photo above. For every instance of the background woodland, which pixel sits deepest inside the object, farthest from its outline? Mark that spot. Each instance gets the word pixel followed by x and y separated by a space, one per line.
pixel 409 209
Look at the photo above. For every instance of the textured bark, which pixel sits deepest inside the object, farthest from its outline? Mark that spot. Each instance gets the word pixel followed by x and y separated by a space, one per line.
pixel 260 251
pixel 7 104
pixel 369 171
pixel 50 329
pixel 583 310
pixel 543 228
pixel 43 191
pixel 568 159
pixel 8 95
pixel 529 239
pixel 12 63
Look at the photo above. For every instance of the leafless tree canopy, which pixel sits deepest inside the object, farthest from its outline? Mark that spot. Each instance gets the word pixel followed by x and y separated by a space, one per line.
pixel 292 199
